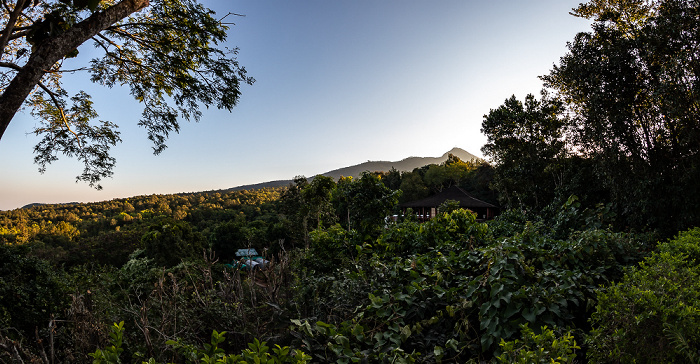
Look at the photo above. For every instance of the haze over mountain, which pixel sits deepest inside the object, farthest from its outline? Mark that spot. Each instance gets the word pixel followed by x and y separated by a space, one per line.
pixel 404 165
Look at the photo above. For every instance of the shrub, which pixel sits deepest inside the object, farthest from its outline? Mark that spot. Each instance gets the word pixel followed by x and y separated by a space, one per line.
pixel 329 249
pixel 457 229
pixel 402 239
pixel 257 352
pixel 31 292
pixel 545 347
pixel 653 314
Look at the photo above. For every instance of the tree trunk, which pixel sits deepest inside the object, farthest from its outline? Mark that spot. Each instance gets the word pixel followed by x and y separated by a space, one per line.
pixel 53 49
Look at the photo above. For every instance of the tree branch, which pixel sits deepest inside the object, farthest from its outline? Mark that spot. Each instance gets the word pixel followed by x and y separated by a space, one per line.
pixel 119 58
pixel 5 37
pixel 58 106
pixel 19 33
pixel 53 49
pixel 10 65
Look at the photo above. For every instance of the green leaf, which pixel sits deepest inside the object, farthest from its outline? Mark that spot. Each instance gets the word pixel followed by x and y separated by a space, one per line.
pixel 439 352
pixel 405 332
pixel 529 314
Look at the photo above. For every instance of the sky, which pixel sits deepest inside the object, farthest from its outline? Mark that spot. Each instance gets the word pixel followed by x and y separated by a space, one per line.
pixel 338 83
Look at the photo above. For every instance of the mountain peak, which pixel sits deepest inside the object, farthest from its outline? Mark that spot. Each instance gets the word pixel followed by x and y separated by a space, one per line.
pixel 405 165
pixel 461 154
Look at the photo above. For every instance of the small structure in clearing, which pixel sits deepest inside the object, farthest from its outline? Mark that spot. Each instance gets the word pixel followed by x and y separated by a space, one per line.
pixel 426 208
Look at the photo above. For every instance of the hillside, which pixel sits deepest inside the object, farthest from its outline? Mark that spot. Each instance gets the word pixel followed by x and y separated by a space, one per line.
pixel 404 165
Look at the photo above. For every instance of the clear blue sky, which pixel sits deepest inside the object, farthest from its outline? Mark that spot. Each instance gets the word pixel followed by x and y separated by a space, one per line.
pixel 338 83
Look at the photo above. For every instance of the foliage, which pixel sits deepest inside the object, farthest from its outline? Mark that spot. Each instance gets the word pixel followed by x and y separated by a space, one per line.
pixel 181 303
pixel 352 343
pixel 108 232
pixel 110 354
pixel 318 197
pixel 533 279
pixel 448 206
pixel 450 292
pixel 652 314
pixel 368 202
pixel 334 295
pixel 308 206
pixel 31 292
pixel 256 353
pixel 413 187
pixel 402 239
pixel 457 229
pixel 544 347
pixel 168 243
pixel 392 179
pixel 329 249
pixel 523 140
pixel 630 88
pixel 447 290
pixel 448 173
pixel 167 52
pixel 230 236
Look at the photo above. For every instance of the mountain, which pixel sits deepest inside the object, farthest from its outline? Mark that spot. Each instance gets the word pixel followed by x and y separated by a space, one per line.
pixel 404 165
pixel 256 186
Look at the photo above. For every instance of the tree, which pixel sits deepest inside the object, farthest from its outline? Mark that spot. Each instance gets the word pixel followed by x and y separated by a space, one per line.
pixel 307 205
pixel 524 138
pixel 447 174
pixel 317 196
pixel 228 237
pixel 165 51
pixel 392 179
pixel 31 292
pixel 412 186
pixel 478 183
pixel 632 89
pixel 170 242
pixel 295 211
pixel 368 201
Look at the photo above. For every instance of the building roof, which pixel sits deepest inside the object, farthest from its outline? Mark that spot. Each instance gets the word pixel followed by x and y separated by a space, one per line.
pixel 455 193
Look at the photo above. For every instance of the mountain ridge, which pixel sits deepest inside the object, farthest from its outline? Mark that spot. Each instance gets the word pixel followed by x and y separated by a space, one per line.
pixel 405 165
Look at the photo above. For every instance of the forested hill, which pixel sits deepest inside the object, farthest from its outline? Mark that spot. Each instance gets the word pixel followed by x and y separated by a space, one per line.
pixel 404 165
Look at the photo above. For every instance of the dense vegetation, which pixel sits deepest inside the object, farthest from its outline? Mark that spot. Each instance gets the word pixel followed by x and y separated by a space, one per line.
pixel 593 258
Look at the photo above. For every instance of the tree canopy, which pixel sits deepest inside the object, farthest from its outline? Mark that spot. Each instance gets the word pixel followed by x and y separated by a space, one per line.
pixel 169 53
pixel 523 139
pixel 626 123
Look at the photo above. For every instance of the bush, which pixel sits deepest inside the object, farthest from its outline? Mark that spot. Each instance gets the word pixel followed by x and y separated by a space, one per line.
pixel 457 228
pixel 329 249
pixel 653 314
pixel 544 347
pixel 257 352
pixel 31 292
pixel 402 239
